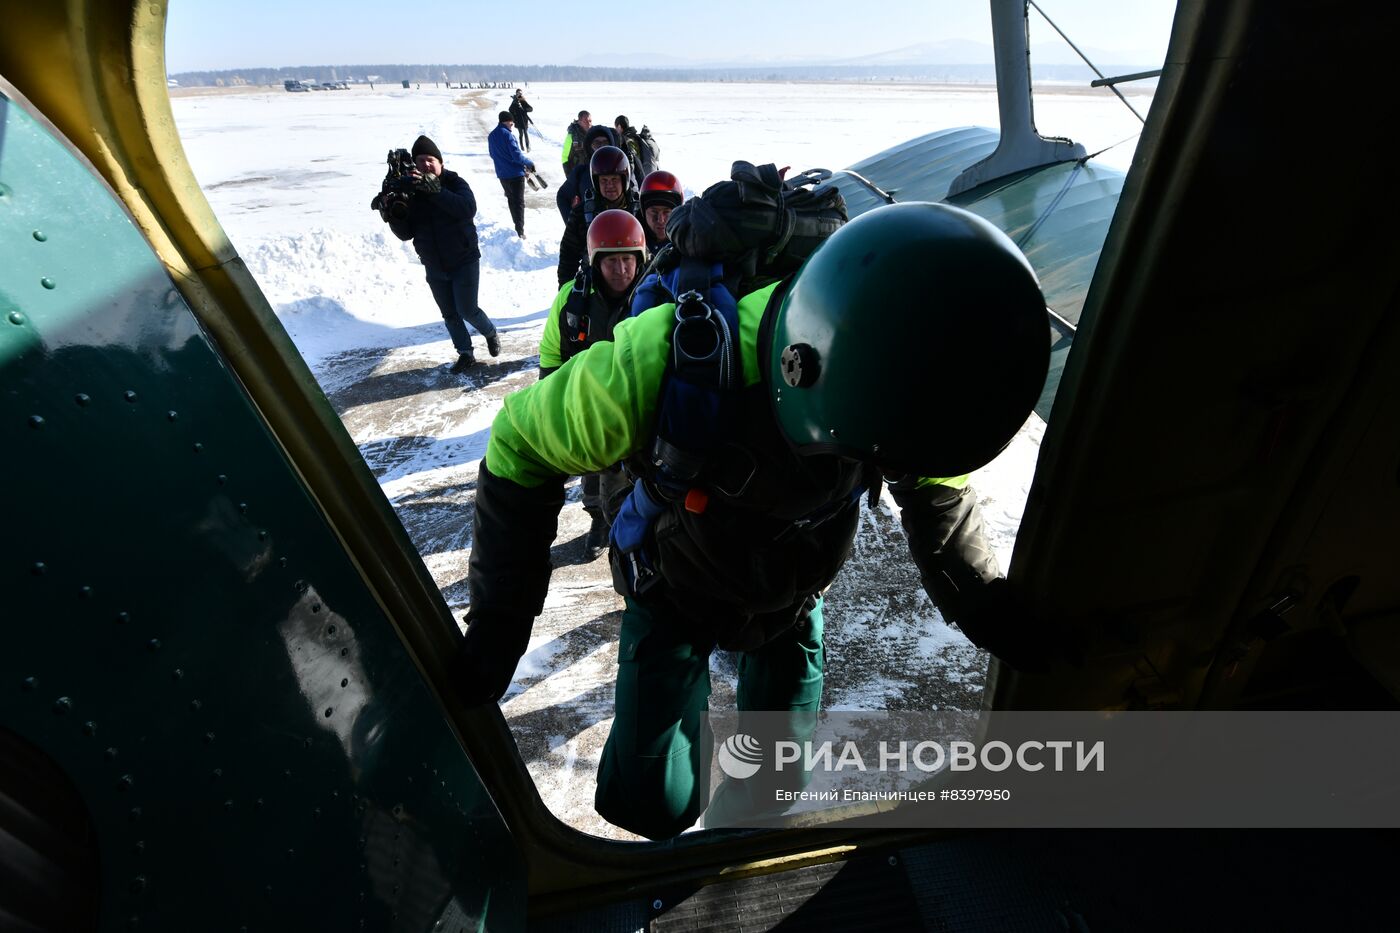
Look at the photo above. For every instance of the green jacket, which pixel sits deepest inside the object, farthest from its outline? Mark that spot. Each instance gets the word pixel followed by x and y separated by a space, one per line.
pixel 602 408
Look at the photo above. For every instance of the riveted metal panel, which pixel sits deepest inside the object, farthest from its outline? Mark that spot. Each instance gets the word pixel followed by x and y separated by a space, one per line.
pixel 183 635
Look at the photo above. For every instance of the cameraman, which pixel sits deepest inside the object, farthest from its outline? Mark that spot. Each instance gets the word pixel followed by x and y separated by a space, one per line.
pixel 439 222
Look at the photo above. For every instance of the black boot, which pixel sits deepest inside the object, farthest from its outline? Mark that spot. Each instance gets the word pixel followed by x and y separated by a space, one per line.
pixel 464 362
pixel 596 541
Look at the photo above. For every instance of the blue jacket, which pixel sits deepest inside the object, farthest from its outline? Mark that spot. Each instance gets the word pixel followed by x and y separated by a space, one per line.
pixel 505 152
pixel 441 226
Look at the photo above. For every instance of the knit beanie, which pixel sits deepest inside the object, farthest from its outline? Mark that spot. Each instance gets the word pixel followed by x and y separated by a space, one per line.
pixel 425 146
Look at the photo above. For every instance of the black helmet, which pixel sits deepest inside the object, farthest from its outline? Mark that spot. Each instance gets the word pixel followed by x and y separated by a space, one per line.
pixel 915 338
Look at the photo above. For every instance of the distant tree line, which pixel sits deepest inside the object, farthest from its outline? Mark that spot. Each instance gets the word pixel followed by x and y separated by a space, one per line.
pixel 514 75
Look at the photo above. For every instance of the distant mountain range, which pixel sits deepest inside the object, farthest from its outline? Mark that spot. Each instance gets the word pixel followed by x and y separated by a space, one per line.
pixel 942 52
pixel 952 60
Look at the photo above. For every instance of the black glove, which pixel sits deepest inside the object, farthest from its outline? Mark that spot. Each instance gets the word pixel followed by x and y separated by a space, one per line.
pixel 488 655
pixel 427 184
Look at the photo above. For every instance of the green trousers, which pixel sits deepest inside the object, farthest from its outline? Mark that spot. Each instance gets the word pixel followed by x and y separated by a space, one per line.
pixel 654 776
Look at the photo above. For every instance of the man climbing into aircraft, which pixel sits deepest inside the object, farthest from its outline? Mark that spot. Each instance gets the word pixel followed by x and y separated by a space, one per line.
pixel 753 441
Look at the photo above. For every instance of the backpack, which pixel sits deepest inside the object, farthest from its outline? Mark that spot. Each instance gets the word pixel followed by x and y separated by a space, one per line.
pixel 649 152
pixel 757 223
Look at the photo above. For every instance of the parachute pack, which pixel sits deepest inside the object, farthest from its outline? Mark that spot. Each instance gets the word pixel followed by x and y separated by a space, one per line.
pixel 757 223
pixel 649 152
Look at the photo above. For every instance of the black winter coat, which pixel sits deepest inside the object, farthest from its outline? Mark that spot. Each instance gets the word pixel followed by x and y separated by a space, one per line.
pixel 441 226
pixel 518 110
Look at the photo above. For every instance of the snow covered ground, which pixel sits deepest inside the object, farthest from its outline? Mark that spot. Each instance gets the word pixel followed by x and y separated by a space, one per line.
pixel 291 176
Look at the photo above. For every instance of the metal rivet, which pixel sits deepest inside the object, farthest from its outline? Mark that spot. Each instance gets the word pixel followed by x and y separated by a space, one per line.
pixel 198 447
pixel 139 847
pixel 89 728
pixel 110 754
pixel 291 853
pixel 208 737
pixel 36 421
pixel 176 674
pixel 316 607
pixel 216 774
pixel 129 395
pixel 262 535
pixel 258 803
pixel 228 804
pixel 287 774
pixel 135 814
pixel 125 781
pixel 282 562
pixel 85 592
pixel 172 415
pixel 62 705
pixel 40 235
pixel 833 433
pixel 656 904
pixel 893 860
pixel 153 644
pixel 243 508
pixel 196 705
pixel 47 282
pixel 29 683
pixel 221 479
pixel 123 618
pixel 38 568
pixel 306 743
pixel 16 317
pixel 138 884
pixel 82 398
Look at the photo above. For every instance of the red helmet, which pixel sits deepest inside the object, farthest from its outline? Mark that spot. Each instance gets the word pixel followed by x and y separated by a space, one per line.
pixel 616 231
pixel 662 188
pixel 607 160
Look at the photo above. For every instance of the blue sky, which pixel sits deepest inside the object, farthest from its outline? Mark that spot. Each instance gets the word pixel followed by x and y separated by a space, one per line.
pixel 225 34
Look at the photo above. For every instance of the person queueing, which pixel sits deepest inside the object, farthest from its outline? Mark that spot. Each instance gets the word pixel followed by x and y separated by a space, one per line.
pixel 520 111
pixel 584 312
pixel 824 401
pixel 576 183
pixel 440 222
pixel 574 151
pixel 629 142
pixel 511 166
pixel 609 190
pixel 660 194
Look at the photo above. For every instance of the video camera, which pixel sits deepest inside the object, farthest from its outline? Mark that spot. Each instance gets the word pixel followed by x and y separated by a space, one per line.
pixel 394 193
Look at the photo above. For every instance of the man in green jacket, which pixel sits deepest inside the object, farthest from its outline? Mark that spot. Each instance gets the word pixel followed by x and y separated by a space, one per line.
pixel 845 373
pixel 585 312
